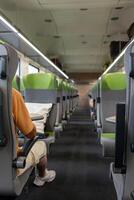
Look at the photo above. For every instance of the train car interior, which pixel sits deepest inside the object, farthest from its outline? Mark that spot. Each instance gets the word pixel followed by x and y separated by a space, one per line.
pixel 66 99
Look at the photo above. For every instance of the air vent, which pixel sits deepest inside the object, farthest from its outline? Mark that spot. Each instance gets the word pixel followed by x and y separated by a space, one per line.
pixel 56 36
pixel 114 18
pixel 119 7
pixel 84 42
pixel 105 42
pixel 82 35
pixel 83 9
pixel 48 20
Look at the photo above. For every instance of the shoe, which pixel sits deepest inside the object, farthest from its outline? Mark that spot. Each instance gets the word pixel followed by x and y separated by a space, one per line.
pixel 49 177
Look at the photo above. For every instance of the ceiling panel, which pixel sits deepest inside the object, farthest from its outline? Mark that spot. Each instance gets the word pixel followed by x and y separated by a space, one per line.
pixel 83 42
pixel 75 4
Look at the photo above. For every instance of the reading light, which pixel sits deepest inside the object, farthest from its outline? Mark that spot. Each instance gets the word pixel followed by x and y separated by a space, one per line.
pixel 32 46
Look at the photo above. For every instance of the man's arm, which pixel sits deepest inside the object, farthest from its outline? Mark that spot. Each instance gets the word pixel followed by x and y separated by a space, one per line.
pixel 21 116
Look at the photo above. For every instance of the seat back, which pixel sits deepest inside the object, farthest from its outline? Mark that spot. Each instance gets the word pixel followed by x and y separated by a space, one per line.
pixel 64 103
pixel 10 184
pixel 129 157
pixel 76 98
pixel 113 91
pixel 94 94
pixel 42 88
pixel 59 100
pixel 69 100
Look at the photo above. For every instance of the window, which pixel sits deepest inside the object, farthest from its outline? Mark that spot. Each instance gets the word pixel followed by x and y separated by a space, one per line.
pixel 18 69
pixel 32 69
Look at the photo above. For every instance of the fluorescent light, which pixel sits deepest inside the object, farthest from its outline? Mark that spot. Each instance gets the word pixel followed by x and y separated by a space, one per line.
pixel 32 46
pixel 8 24
pixel 117 59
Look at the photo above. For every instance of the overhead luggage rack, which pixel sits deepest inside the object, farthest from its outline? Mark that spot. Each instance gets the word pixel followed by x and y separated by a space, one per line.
pixel 14 37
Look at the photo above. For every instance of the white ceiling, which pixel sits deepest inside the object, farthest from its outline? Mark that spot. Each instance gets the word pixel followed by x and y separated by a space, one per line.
pixel 81 46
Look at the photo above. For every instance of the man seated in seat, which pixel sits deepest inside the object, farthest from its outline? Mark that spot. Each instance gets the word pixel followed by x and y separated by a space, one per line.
pixel 37 155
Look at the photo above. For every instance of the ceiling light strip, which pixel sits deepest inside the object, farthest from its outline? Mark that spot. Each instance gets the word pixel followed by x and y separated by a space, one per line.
pixel 117 59
pixel 32 46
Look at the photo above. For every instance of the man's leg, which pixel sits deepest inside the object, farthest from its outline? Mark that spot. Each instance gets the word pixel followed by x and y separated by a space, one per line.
pixel 43 175
pixel 41 166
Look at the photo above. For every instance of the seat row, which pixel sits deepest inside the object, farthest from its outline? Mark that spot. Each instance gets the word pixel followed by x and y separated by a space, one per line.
pixel 48 98
pixel 114 111
pixel 107 93
pixel 47 95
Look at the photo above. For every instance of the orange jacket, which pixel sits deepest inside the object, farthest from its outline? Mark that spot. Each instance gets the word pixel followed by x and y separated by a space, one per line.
pixel 21 116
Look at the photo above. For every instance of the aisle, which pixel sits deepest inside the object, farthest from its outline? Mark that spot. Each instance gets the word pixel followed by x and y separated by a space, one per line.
pixel 82 173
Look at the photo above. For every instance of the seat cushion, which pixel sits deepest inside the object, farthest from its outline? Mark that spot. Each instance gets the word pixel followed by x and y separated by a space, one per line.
pixel 108 136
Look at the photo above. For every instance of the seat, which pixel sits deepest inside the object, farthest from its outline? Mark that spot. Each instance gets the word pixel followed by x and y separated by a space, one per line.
pixel 64 102
pixel 94 98
pixel 41 88
pixel 68 101
pixel 58 123
pixel 11 184
pixel 95 93
pixel 123 177
pixel 75 97
pixel 111 93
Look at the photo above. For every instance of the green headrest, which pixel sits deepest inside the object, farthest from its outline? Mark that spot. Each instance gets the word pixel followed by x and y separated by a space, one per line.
pixel 40 81
pixel 64 85
pixel 114 81
pixel 60 84
pixel 108 136
pixel 69 88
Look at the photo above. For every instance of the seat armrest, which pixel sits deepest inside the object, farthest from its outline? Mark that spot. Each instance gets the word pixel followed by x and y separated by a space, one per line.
pixel 119 166
pixel 20 161
pixel 27 146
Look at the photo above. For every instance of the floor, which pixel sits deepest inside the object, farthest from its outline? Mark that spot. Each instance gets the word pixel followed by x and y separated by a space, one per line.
pixel 82 172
